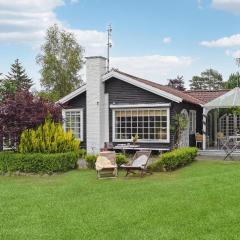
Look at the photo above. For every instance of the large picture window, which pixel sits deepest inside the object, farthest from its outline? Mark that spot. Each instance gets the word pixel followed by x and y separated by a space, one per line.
pixel 73 120
pixel 148 124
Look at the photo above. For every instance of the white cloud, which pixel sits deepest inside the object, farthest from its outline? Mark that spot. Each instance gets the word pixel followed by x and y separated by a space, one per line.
pixel 227 5
pixel 26 21
pixel 153 67
pixel 231 41
pixel 93 41
pixel 167 40
pixel 234 54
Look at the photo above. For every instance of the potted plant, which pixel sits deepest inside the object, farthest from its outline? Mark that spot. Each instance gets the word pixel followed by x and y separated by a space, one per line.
pixel 135 139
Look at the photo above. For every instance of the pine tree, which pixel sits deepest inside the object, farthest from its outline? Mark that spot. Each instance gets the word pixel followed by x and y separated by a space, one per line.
pixel 15 80
pixel 18 77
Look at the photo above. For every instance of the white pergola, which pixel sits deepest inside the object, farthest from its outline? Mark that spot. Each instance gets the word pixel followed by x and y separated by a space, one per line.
pixel 227 100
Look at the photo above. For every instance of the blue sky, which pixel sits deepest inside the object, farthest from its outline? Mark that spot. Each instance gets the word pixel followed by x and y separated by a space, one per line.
pixel 152 39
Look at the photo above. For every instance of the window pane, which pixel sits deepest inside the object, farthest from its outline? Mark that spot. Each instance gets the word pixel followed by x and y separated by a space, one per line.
pixel 149 124
pixel 73 122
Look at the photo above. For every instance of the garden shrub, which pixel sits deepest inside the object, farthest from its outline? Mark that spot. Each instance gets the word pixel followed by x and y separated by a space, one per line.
pixel 91 160
pixel 37 162
pixel 121 159
pixel 175 159
pixel 82 153
pixel 48 138
pixel 22 111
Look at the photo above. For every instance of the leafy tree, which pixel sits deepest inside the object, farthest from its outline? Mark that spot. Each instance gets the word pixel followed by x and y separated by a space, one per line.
pixel 16 80
pixel 177 83
pixel 23 111
pixel 210 79
pixel 197 83
pixel 233 81
pixel 61 60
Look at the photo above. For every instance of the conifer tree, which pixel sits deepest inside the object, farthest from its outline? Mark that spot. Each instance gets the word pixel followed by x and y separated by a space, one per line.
pixel 16 80
pixel 18 77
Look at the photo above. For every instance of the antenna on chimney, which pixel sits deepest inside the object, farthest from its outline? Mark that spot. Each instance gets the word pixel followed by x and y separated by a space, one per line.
pixel 109 44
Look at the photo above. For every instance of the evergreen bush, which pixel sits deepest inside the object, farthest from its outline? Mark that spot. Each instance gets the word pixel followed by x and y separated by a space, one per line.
pixel 48 138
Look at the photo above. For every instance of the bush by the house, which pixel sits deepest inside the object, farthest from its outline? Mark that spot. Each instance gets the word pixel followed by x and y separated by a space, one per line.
pixel 37 162
pixel 91 160
pixel 82 153
pixel 175 159
pixel 121 159
pixel 48 138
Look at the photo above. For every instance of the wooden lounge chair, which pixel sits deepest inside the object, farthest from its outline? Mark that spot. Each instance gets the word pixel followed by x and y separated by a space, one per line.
pixel 106 166
pixel 139 163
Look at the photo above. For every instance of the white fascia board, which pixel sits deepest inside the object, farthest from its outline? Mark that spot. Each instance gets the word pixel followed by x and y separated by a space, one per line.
pixel 141 85
pixel 140 105
pixel 72 94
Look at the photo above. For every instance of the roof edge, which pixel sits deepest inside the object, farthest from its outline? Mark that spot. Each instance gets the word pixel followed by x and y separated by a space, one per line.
pixel 72 94
pixel 144 86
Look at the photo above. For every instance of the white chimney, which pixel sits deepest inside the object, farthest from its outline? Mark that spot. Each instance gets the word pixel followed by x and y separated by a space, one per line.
pixel 95 68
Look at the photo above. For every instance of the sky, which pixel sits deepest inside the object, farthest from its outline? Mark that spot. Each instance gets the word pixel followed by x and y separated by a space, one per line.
pixel 154 39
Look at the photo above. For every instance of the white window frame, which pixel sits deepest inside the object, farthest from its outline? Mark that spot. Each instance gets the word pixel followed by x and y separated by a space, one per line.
pixel 64 111
pixel 192 121
pixel 141 140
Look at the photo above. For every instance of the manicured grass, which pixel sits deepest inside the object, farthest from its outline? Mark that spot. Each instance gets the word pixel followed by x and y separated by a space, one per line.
pixel 201 201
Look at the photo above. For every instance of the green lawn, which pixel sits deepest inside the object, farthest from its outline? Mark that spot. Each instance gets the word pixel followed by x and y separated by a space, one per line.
pixel 201 201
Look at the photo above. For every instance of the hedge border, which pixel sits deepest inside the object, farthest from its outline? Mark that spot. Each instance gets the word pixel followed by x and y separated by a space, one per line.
pixel 37 162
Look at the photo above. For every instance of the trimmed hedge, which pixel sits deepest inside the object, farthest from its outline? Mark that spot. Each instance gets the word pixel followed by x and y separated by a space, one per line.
pixel 37 162
pixel 91 160
pixel 175 159
pixel 121 159
pixel 82 153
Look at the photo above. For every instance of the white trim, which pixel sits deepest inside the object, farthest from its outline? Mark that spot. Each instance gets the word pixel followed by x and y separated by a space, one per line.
pixel 204 129
pixel 151 105
pixel 143 140
pixel 106 117
pixel 72 94
pixel 64 111
pixel 193 113
pixel 141 85
pixel 141 148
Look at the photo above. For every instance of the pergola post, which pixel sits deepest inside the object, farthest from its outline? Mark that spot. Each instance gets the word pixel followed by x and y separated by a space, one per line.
pixel 204 129
pixel 215 126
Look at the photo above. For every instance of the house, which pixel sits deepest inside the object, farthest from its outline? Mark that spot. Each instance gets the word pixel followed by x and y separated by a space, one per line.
pixel 114 106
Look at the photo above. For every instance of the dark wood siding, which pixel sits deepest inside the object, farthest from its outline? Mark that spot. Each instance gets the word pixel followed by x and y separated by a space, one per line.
pixel 80 102
pixel 178 107
pixel 124 93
